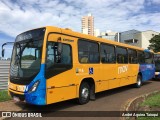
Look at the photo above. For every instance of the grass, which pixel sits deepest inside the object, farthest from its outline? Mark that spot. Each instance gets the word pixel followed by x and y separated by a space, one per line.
pixel 152 101
pixel 4 96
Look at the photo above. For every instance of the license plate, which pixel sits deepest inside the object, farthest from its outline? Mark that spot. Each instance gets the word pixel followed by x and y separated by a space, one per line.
pixel 16 99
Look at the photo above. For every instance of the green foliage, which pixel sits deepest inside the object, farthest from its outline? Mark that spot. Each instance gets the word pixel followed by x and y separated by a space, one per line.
pixel 155 43
pixel 153 101
pixel 4 96
pixel 28 57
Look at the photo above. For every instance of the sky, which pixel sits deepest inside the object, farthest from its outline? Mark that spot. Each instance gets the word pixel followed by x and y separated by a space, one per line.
pixel 17 16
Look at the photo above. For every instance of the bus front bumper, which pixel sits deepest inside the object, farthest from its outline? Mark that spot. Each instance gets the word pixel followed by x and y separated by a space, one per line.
pixel 34 98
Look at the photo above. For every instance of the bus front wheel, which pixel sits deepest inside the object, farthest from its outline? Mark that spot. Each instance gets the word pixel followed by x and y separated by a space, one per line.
pixel 84 93
pixel 138 84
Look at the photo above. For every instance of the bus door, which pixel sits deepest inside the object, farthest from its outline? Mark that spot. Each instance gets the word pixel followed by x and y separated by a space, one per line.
pixel 59 73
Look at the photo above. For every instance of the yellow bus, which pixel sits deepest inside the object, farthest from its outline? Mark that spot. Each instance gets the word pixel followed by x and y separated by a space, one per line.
pixel 51 64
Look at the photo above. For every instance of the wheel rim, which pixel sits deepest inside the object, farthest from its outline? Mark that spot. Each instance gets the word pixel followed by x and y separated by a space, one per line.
pixel 139 82
pixel 85 93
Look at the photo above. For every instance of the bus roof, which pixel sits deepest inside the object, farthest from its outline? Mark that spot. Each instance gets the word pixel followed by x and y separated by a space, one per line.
pixel 68 31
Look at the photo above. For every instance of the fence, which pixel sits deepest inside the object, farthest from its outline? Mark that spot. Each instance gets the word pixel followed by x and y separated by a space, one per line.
pixel 4 72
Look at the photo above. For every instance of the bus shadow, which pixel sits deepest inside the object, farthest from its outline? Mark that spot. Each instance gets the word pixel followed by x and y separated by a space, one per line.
pixel 50 108
pixel 157 80
pixel 53 108
pixel 118 90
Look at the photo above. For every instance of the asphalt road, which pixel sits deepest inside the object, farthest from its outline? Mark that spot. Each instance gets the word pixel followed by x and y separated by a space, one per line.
pixel 111 100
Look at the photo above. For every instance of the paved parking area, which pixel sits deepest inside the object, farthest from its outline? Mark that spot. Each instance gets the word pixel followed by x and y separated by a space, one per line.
pixel 111 100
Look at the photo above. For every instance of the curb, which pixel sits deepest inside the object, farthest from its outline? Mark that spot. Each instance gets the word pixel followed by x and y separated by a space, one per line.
pixel 133 104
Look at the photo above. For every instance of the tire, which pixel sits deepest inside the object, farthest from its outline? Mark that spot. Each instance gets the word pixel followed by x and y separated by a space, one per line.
pixel 84 93
pixel 138 84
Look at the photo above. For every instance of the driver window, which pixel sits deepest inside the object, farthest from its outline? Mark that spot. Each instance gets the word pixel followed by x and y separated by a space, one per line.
pixel 52 58
pixel 58 62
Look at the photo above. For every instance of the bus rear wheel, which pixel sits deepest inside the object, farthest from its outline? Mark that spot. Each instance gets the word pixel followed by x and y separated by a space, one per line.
pixel 138 84
pixel 84 93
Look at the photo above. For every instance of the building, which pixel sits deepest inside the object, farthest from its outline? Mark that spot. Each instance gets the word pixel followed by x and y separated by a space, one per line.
pixel 108 35
pixel 97 32
pixel 137 38
pixel 88 24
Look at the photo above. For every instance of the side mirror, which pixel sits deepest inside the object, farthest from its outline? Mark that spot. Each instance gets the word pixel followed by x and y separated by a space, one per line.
pixel 3 50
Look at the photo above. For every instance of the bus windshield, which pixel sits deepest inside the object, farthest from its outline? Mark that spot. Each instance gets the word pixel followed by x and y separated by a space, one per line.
pixel 27 51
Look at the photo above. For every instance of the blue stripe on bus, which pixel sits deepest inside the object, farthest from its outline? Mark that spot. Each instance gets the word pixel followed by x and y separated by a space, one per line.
pixel 37 97
pixel 148 71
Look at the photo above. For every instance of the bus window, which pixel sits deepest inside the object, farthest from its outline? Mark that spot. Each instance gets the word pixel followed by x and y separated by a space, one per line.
pixel 141 58
pixel 121 54
pixel 88 52
pixel 56 65
pixel 132 54
pixel 148 57
pixel 157 62
pixel 107 53
pixel 51 54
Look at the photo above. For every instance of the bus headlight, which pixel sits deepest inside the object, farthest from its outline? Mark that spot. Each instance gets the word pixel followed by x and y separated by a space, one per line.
pixel 34 87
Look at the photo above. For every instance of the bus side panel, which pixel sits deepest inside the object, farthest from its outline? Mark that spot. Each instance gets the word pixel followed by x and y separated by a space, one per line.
pixel 92 71
pixel 63 86
pixel 148 71
pixel 102 82
pixel 133 72
pixel 123 74
pixel 60 88
pixel 110 74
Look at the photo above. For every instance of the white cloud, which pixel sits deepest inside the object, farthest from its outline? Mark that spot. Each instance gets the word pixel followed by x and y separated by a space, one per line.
pixel 155 1
pixel 117 15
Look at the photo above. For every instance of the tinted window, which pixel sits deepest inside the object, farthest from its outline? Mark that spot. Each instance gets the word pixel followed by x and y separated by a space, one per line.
pixel 132 54
pixel 157 62
pixel 107 53
pixel 122 56
pixel 35 34
pixel 57 63
pixel 148 57
pixel 141 58
pixel 157 58
pixel 88 52
pixel 66 57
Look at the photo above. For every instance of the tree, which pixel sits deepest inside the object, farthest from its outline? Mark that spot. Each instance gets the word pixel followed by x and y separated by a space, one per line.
pixel 28 57
pixel 155 43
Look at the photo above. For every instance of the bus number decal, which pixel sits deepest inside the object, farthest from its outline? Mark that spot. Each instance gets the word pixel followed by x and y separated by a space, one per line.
pixel 122 69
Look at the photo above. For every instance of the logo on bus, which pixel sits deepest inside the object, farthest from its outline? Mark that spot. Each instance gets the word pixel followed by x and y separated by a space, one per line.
pixel 90 70
pixel 122 69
